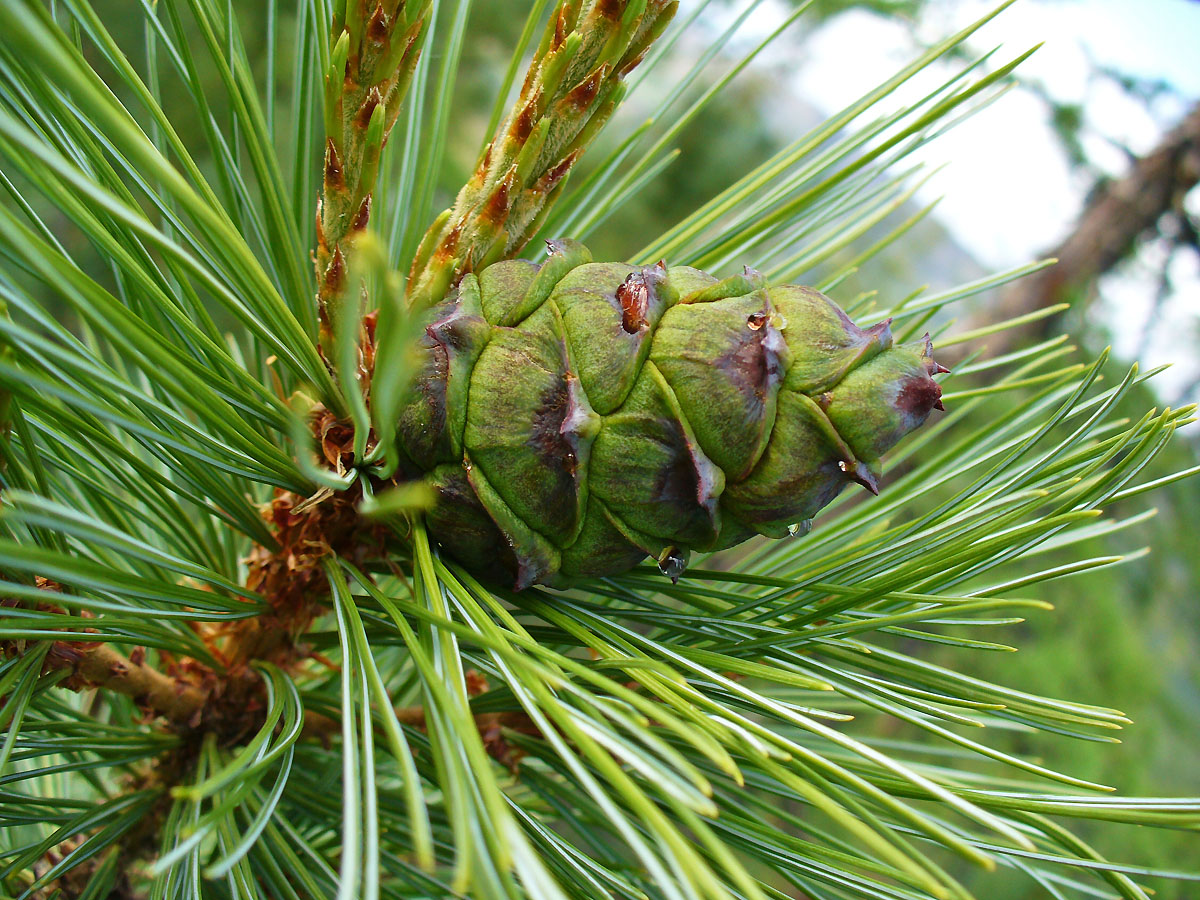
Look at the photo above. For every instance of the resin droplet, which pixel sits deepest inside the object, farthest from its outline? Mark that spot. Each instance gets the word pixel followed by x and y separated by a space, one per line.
pixel 672 564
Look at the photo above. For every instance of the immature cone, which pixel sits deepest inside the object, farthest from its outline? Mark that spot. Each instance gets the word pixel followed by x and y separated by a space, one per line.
pixel 575 417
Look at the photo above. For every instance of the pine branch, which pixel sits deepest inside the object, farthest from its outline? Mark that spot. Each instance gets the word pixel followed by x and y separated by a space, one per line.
pixel 230 705
pixel 706 738
pixel 189 696
pixel 94 665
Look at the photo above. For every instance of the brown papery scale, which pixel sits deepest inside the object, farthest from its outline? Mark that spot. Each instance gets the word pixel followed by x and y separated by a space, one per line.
pixel 633 297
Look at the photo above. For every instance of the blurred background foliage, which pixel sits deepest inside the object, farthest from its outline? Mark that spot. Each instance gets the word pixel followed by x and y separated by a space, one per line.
pixel 1128 636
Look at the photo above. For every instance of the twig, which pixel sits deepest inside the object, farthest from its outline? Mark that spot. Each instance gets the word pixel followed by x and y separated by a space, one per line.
pixel 96 665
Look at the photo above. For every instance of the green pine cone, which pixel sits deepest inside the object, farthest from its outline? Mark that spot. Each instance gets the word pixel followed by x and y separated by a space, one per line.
pixel 575 417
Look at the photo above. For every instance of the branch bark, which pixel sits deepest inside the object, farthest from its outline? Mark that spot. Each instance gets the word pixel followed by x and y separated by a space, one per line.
pixel 100 666
pixel 1115 218
pixel 94 665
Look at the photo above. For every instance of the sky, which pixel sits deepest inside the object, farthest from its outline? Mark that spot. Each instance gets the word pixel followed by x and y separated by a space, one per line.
pixel 1003 167
pixel 1006 190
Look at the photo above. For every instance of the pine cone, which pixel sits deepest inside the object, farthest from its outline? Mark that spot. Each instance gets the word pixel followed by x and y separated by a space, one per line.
pixel 575 417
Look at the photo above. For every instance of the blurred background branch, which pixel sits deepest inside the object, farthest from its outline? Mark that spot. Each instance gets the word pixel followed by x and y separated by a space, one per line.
pixel 1121 213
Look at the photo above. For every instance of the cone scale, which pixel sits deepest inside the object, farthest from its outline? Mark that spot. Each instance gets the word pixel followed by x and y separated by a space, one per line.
pixel 575 417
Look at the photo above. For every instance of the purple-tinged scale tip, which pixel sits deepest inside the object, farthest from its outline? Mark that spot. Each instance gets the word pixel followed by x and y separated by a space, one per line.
pixel 857 472
pixel 881 332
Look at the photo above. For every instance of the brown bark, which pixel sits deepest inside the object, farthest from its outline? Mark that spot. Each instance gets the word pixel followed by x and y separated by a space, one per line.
pixel 94 665
pixel 1115 218
pixel 99 666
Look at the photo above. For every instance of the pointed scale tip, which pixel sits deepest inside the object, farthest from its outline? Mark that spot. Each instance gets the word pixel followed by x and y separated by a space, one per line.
pixel 858 472
pixel 932 365
pixel 881 327
pixel 866 478
pixel 523 580
pixel 880 333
